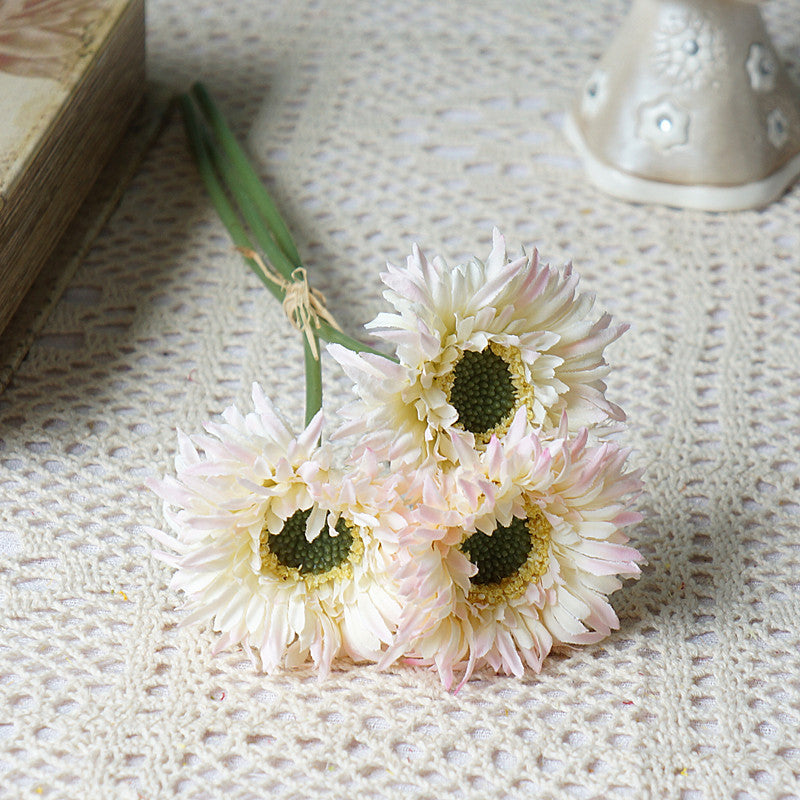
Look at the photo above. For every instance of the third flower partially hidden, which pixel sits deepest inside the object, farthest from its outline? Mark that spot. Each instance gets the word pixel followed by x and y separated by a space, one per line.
pixel 514 551
pixel 475 343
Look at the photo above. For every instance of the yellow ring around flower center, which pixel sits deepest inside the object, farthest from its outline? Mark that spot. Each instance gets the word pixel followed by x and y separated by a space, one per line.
pixel 522 390
pixel 530 572
pixel 272 566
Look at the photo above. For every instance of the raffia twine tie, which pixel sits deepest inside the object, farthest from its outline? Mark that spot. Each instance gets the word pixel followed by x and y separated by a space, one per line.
pixel 303 305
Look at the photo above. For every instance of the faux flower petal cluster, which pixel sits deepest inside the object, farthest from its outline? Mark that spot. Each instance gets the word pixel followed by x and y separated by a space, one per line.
pixel 475 343
pixel 279 551
pixel 480 520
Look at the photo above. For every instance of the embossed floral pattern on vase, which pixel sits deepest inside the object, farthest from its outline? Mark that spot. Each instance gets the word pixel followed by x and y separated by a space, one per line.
pixel 762 68
pixel 687 51
pixel 663 124
pixel 777 128
pixel 595 92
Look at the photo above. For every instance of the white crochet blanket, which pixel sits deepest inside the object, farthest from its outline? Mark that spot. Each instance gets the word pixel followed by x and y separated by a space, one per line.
pixel 377 123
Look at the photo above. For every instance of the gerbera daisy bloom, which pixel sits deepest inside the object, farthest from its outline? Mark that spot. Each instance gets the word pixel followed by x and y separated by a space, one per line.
pixel 475 343
pixel 524 560
pixel 278 551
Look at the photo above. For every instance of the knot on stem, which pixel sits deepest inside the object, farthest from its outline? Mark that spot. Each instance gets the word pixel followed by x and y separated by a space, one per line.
pixel 303 305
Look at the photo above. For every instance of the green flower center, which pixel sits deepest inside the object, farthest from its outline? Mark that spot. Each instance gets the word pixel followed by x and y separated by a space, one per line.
pixel 482 391
pixel 499 555
pixel 510 558
pixel 291 548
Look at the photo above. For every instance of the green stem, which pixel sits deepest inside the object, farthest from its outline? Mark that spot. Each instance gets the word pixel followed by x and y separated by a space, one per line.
pixel 217 194
pixel 335 336
pixel 199 144
pixel 207 158
pixel 262 218
pixel 246 175
pixel 313 379
pixel 249 212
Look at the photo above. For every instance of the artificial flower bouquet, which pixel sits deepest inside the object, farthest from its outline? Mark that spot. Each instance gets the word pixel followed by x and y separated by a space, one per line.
pixel 480 517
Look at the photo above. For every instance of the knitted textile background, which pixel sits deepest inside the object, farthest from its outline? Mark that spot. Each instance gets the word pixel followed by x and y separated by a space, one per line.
pixel 377 123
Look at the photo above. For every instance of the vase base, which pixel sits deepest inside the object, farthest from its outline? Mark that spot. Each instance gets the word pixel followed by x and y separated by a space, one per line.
pixel 636 189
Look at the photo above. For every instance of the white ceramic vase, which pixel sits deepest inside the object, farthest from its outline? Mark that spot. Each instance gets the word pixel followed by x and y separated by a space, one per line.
pixel 690 107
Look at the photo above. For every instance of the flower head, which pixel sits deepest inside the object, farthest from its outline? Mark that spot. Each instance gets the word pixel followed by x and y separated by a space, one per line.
pixel 475 343
pixel 280 552
pixel 526 557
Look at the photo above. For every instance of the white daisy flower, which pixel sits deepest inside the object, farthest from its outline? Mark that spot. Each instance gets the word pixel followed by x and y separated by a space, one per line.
pixel 475 343
pixel 278 551
pixel 525 558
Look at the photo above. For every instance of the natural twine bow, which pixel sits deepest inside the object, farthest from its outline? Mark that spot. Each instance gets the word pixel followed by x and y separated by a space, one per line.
pixel 303 305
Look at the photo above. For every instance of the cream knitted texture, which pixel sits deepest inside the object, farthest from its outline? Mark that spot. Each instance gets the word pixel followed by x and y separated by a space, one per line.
pixel 377 123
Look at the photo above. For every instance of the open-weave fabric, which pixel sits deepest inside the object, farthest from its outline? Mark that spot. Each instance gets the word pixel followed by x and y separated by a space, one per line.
pixel 377 123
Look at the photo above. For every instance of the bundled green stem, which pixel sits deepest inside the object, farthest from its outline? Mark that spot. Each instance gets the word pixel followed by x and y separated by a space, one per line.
pixel 253 216
pixel 246 176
